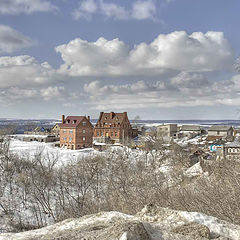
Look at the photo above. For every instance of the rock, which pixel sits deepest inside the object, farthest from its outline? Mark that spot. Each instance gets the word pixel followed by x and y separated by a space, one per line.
pixel 196 230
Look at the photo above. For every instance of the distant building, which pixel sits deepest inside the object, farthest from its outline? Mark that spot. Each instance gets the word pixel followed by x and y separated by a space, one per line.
pixel 190 131
pixel 113 127
pixel 55 130
pixel 232 151
pixel 168 130
pixel 220 131
pixel 76 132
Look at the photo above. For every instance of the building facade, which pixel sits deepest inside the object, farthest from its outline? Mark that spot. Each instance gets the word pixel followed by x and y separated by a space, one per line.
pixel 76 132
pixel 113 127
pixel 190 131
pixel 168 130
pixel 220 131
pixel 232 151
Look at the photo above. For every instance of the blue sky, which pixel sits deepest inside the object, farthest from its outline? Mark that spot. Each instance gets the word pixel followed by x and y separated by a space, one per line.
pixel 154 58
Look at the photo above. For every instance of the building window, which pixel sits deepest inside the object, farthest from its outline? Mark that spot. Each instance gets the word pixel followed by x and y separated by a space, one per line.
pixel 83 138
pixel 84 123
pixel 74 121
pixel 64 131
pixel 101 133
pixel 70 139
pixel 112 134
pixel 83 131
pixel 115 134
pixel 218 132
pixel 97 133
pixel 70 131
pixel 65 139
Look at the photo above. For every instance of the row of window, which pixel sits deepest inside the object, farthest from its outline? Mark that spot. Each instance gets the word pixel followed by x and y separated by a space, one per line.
pixel 100 133
pixel 70 139
pixel 110 124
pixel 234 150
pixel 75 121
pixel 71 131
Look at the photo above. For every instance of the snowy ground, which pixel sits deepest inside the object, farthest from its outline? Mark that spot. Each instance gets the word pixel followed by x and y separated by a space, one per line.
pixel 31 149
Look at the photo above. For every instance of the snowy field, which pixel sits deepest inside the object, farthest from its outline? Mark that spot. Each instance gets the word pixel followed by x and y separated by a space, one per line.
pixel 47 150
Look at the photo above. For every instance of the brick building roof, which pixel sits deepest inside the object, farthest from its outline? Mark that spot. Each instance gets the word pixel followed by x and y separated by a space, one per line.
pixel 111 117
pixel 72 121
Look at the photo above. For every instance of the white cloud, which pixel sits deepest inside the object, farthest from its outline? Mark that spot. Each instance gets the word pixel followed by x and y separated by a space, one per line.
pixel 12 40
pixel 185 89
pixel 85 9
pixel 24 70
pixel 140 10
pixel 114 10
pixel 176 51
pixel 14 94
pixel 15 7
pixel 144 10
pixel 51 92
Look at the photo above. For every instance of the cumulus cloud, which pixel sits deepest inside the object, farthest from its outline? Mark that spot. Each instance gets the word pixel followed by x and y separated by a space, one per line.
pixel 85 9
pixel 176 51
pixel 144 10
pixel 184 89
pixel 15 7
pixel 51 92
pixel 12 94
pixel 140 10
pixel 12 40
pixel 24 70
pixel 114 10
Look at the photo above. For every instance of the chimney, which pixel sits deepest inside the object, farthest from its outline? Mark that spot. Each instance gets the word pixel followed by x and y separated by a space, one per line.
pixel 125 114
pixel 88 117
pixel 111 115
pixel 63 118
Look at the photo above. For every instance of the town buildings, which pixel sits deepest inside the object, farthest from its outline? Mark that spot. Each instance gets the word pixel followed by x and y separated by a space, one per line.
pixel 55 130
pixel 76 132
pixel 190 131
pixel 168 130
pixel 113 127
pixel 232 151
pixel 220 131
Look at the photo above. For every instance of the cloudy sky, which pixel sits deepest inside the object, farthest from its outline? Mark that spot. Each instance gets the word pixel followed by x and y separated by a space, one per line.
pixel 159 59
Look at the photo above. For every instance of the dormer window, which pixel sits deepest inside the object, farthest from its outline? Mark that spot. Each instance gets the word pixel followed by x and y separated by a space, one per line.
pixel 74 121
pixel 84 123
pixel 68 121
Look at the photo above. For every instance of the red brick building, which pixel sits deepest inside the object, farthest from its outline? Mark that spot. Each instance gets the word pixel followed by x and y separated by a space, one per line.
pixel 76 132
pixel 113 127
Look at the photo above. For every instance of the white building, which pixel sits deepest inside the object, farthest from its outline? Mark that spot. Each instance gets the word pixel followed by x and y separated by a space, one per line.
pixel 220 131
pixel 168 130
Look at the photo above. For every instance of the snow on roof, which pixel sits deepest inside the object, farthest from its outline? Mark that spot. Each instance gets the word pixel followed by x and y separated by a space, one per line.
pixel 190 128
pixel 233 144
pixel 222 128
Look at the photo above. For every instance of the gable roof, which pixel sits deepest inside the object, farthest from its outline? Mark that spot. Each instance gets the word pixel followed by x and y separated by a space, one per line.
pixel 221 128
pixel 111 117
pixel 72 121
pixel 190 128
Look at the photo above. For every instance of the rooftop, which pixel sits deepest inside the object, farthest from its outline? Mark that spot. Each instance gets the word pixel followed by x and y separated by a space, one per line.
pixel 219 128
pixel 72 121
pixel 190 128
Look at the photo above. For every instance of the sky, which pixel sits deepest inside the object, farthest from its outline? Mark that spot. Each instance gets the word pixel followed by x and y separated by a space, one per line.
pixel 157 59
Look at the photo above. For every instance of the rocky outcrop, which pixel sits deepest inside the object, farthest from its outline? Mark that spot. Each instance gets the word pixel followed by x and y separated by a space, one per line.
pixel 152 223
